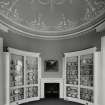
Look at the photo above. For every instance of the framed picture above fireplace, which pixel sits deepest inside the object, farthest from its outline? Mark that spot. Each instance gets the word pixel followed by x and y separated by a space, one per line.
pixel 51 65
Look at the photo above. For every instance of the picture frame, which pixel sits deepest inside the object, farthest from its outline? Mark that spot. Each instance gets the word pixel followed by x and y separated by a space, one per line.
pixel 51 65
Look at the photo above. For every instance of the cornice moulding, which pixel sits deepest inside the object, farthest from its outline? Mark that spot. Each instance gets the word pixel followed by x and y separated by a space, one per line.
pixel 100 27
pixel 4 28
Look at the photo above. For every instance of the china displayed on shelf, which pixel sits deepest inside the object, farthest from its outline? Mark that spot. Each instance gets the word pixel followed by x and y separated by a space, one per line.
pixel 72 91
pixel 31 92
pixel 16 70
pixel 16 94
pixel 86 94
pixel 31 70
pixel 72 70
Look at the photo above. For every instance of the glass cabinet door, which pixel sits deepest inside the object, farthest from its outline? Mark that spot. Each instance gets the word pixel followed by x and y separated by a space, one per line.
pixel 86 94
pixel 86 70
pixel 86 77
pixel 16 70
pixel 31 70
pixel 16 94
pixel 72 77
pixel 72 91
pixel 31 91
pixel 72 70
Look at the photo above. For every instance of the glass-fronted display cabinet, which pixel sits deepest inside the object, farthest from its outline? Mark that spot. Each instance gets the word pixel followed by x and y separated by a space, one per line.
pixel 79 76
pixel 22 76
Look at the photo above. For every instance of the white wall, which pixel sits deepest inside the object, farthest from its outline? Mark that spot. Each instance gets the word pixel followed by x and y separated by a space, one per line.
pixel 103 68
pixel 1 73
pixel 98 77
pixel 1 81
pixel 1 44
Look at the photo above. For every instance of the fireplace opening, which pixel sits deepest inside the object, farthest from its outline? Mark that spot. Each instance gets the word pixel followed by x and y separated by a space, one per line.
pixel 51 90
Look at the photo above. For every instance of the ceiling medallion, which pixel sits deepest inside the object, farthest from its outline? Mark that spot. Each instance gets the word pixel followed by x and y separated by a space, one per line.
pixel 51 18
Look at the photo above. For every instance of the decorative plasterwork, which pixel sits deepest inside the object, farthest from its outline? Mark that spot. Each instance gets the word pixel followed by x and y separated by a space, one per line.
pixel 51 17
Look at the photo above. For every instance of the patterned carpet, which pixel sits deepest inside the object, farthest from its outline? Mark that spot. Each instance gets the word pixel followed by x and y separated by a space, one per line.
pixel 51 102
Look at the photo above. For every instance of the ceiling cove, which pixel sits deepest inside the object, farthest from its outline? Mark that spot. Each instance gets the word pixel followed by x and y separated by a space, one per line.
pixel 51 18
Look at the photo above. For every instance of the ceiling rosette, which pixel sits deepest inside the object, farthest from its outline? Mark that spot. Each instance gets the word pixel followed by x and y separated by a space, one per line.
pixel 51 18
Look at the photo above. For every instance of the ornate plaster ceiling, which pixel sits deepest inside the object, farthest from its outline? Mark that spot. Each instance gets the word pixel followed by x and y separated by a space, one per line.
pixel 51 18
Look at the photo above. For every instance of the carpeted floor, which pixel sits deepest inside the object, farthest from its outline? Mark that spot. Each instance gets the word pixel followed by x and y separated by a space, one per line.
pixel 51 102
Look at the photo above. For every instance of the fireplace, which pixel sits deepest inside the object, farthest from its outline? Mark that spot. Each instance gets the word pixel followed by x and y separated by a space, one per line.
pixel 48 81
pixel 51 90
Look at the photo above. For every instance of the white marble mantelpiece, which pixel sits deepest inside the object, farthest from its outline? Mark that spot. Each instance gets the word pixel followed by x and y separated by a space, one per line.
pixel 52 80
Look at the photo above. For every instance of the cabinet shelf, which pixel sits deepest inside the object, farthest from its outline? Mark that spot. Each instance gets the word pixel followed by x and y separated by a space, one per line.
pixel 86 64
pixel 87 87
pixel 17 87
pixel 72 85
